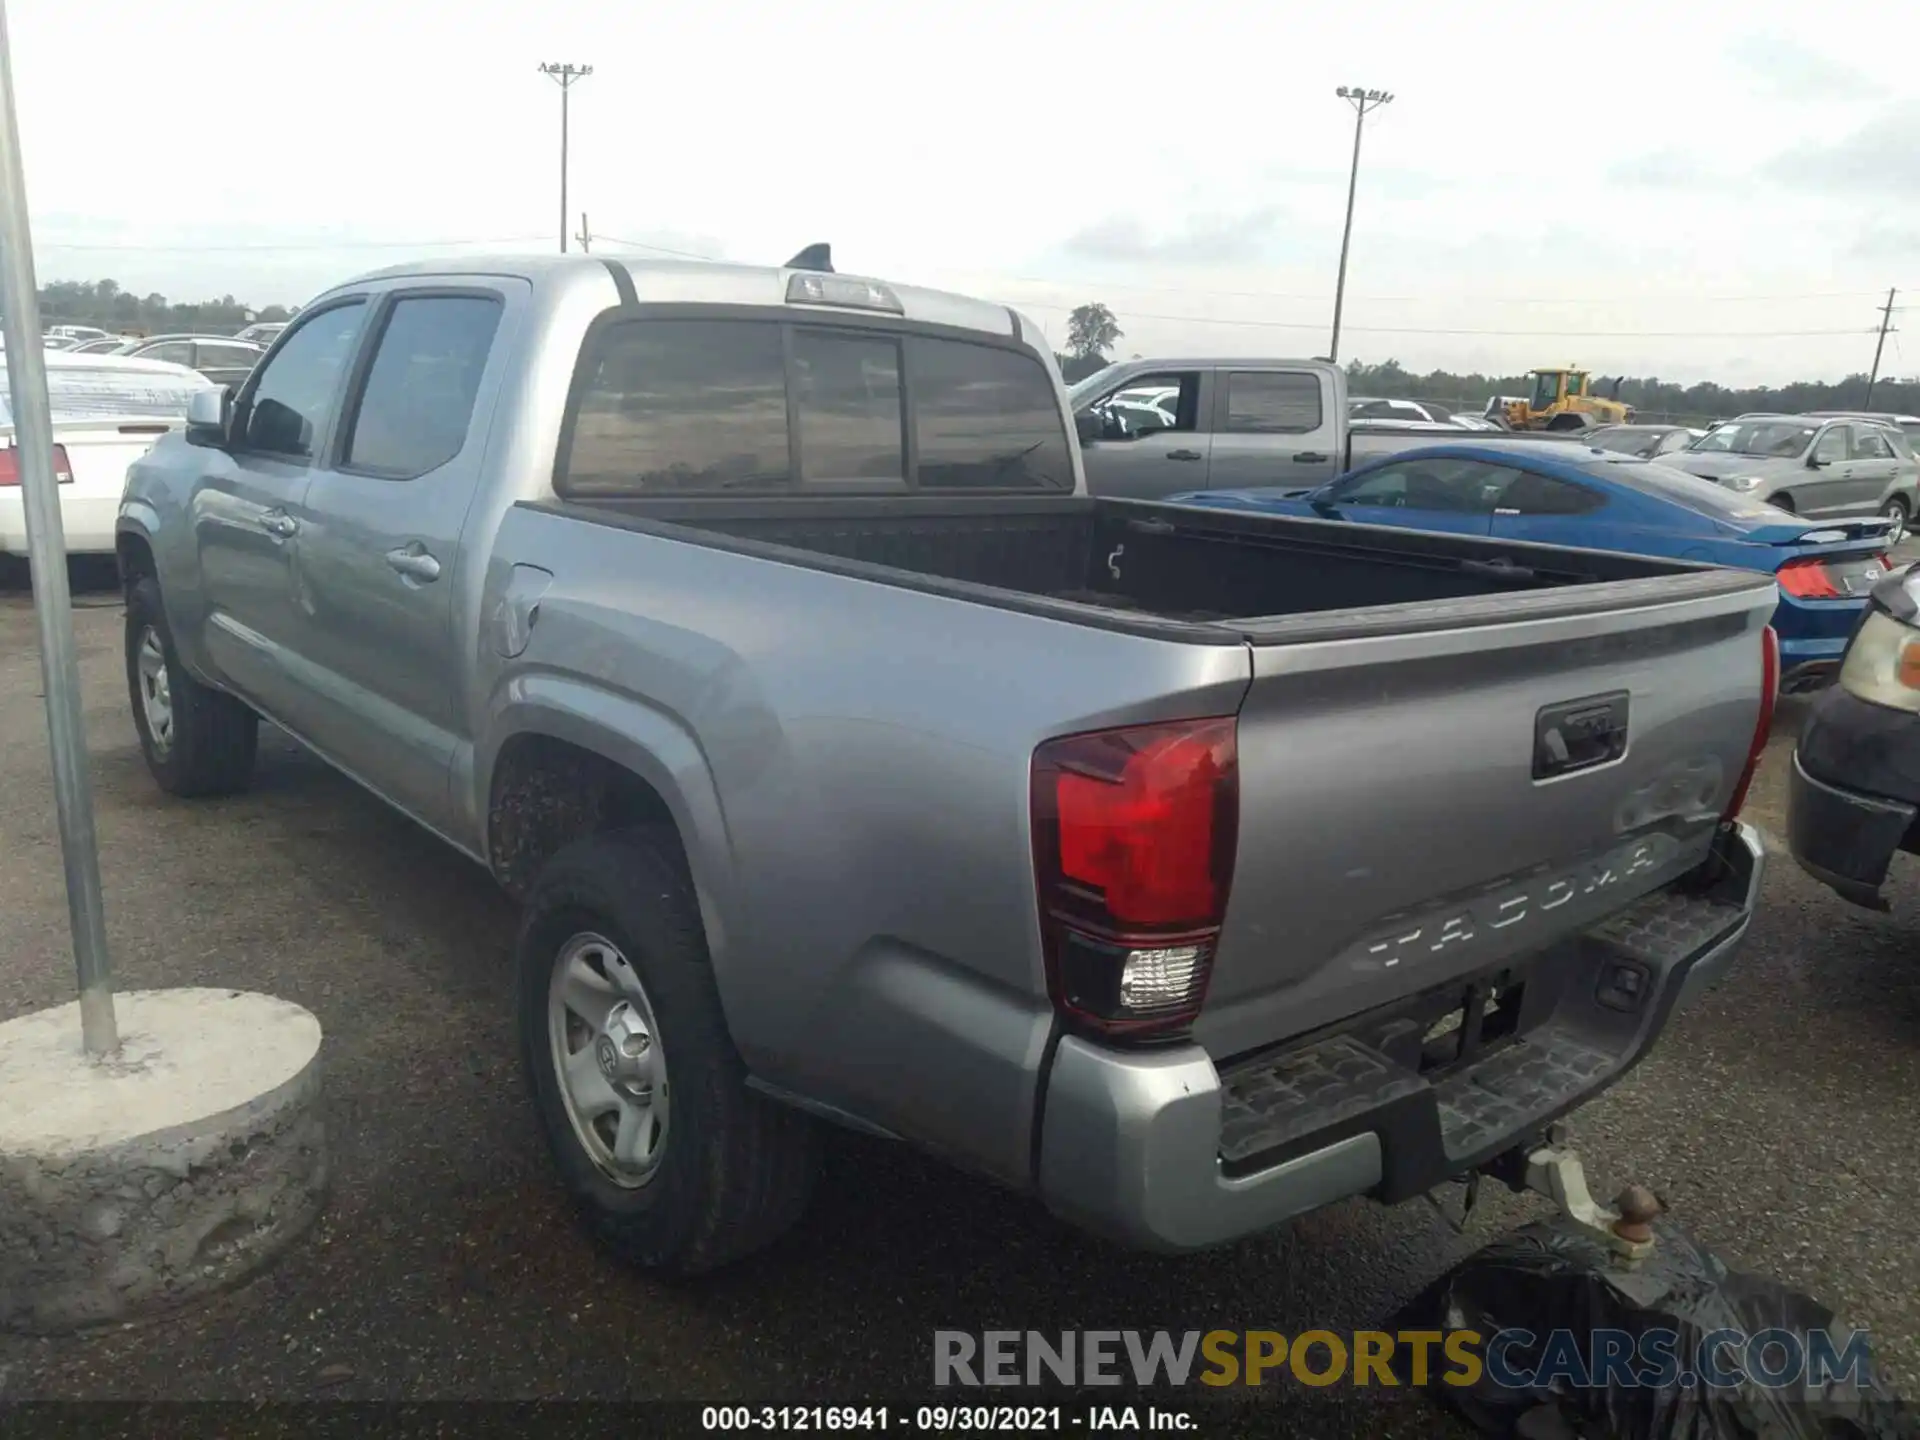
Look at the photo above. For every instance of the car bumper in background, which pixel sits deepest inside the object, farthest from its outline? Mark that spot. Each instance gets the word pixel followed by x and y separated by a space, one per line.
pixel 1158 1148
pixel 1854 794
pixel 87 520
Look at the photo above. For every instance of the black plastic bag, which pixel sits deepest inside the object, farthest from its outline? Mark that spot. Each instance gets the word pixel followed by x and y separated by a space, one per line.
pixel 1564 1287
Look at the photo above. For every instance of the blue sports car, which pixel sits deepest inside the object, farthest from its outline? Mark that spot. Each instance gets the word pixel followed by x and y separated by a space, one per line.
pixel 1573 494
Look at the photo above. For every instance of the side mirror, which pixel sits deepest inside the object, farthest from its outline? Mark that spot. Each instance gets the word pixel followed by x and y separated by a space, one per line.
pixel 207 413
pixel 1087 425
pixel 1814 462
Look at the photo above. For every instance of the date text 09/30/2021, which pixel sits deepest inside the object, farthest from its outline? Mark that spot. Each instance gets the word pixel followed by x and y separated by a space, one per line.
pixel 944 1419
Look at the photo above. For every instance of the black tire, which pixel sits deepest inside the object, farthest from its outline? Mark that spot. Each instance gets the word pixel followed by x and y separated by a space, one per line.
pixel 1566 421
pixel 1896 510
pixel 735 1170
pixel 214 737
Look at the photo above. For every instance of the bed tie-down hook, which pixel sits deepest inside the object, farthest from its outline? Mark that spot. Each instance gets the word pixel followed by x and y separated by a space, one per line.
pixel 1113 561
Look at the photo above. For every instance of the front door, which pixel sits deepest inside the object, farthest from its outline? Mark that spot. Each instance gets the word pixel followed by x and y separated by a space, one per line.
pixel 246 501
pixel 1830 487
pixel 380 557
pixel 1274 427
pixel 1154 439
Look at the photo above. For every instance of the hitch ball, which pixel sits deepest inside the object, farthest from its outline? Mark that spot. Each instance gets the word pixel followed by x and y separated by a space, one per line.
pixel 1638 1207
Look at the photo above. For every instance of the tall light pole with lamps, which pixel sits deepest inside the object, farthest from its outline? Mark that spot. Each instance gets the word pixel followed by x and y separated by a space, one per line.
pixel 1362 101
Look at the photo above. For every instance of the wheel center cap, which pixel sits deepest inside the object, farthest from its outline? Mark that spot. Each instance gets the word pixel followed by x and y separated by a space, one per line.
pixel 607 1057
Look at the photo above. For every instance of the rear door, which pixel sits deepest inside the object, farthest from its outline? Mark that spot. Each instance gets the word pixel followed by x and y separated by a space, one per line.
pixel 1274 426
pixel 1875 467
pixel 1155 436
pixel 1422 493
pixel 380 522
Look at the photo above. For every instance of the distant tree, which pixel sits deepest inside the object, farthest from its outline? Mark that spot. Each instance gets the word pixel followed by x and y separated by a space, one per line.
pixel 1092 332
pixel 105 304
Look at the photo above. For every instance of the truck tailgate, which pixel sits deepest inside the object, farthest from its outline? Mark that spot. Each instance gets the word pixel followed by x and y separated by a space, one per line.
pixel 1421 807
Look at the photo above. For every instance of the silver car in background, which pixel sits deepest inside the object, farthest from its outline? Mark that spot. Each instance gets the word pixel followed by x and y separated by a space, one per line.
pixel 1811 465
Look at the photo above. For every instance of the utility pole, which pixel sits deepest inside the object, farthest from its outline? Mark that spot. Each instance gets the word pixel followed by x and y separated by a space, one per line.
pixel 1362 101
pixel 585 237
pixel 564 75
pixel 52 600
pixel 1886 320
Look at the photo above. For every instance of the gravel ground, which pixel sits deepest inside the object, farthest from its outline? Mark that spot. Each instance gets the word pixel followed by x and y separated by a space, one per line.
pixel 1775 1119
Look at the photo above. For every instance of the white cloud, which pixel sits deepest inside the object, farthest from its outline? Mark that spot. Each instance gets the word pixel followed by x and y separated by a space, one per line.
pixel 1530 194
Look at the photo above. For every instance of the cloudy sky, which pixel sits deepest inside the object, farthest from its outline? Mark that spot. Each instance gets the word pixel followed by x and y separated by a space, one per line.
pixel 1704 191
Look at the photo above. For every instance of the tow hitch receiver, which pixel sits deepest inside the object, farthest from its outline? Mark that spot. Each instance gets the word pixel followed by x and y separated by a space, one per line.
pixel 1552 1168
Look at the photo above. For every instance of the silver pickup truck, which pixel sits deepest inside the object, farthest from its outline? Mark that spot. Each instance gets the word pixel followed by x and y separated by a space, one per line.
pixel 1184 868
pixel 1151 428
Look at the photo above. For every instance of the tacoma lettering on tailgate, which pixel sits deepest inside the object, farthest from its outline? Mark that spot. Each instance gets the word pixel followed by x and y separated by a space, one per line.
pixel 1544 903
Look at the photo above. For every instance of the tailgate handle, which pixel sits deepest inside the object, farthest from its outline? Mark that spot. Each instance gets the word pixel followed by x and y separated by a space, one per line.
pixel 1579 734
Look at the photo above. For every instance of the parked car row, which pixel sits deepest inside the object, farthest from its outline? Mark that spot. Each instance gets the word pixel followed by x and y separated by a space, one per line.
pixel 857 761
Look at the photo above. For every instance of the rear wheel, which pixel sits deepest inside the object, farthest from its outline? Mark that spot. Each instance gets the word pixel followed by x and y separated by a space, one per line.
pixel 676 1165
pixel 1896 510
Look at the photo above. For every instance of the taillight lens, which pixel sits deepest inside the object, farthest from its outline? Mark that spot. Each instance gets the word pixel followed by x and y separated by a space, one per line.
pixel 10 465
pixel 1134 832
pixel 1763 724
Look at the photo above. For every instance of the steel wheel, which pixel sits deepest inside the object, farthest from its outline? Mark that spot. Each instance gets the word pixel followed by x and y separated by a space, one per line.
pixel 607 1058
pixel 1896 512
pixel 156 691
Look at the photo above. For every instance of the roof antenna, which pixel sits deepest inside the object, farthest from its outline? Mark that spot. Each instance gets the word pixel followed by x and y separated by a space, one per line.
pixel 818 256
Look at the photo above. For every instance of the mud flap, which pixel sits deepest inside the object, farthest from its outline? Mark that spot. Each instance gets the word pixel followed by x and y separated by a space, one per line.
pixel 1604 1351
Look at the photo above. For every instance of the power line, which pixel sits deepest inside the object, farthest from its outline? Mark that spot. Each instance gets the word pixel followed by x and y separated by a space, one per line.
pixel 657 249
pixel 1435 330
pixel 283 246
pixel 1502 299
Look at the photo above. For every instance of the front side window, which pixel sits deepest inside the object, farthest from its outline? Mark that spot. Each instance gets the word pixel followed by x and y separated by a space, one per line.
pixel 1152 405
pixel 681 407
pixel 293 392
pixel 173 352
pixel 227 357
pixel 1273 402
pixel 985 418
pixel 1831 448
pixel 847 394
pixel 417 401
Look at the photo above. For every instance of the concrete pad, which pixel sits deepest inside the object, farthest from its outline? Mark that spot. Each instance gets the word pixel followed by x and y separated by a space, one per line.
pixel 175 1168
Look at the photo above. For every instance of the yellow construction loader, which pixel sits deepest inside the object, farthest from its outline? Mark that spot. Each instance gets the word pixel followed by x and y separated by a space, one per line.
pixel 1561 401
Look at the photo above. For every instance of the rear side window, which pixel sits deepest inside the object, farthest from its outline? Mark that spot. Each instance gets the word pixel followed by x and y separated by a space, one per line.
pixel 985 419
pixel 1869 443
pixel 1532 494
pixel 847 394
pixel 417 400
pixel 681 407
pixel 1274 402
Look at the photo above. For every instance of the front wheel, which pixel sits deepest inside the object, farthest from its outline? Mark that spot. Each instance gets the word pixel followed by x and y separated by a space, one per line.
pixel 1896 510
pixel 675 1164
pixel 196 740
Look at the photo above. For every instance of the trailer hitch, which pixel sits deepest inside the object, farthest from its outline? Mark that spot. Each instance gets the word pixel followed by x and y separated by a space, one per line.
pixel 1553 1168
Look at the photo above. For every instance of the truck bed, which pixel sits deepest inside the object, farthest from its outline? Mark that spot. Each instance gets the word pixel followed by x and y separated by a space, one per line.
pixel 1174 570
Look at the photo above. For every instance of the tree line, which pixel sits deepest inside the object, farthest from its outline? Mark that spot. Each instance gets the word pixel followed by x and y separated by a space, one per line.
pixel 103 304
pixel 1092 333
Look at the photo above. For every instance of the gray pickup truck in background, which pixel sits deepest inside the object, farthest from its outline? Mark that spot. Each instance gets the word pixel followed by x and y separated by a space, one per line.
pixel 754 628
pixel 1153 428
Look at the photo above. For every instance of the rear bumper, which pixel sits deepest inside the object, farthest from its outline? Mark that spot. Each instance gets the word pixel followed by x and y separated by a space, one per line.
pixel 87 520
pixel 1161 1150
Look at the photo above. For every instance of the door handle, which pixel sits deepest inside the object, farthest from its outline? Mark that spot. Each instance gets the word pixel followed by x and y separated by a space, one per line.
pixel 1311 457
pixel 414 564
pixel 279 524
pixel 1184 455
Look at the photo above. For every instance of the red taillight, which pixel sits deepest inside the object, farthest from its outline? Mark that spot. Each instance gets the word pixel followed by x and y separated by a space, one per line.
pixel 1763 724
pixel 10 466
pixel 1808 580
pixel 1133 834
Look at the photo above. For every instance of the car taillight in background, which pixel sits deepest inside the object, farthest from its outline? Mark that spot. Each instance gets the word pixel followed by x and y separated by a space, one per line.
pixel 1815 579
pixel 1134 832
pixel 1763 724
pixel 10 466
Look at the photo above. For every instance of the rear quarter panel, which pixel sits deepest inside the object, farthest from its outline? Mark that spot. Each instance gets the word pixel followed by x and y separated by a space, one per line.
pixel 851 763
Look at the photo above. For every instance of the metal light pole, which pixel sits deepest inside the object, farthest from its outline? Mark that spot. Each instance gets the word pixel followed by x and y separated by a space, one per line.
pixel 47 559
pixel 1362 101
pixel 564 76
